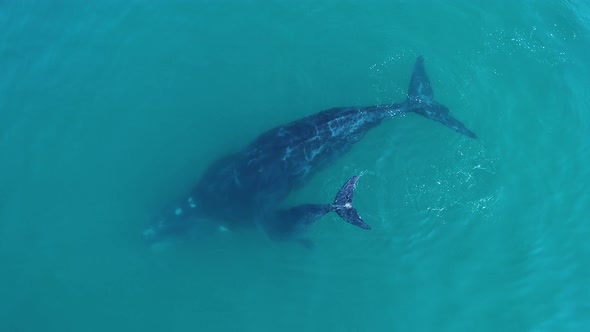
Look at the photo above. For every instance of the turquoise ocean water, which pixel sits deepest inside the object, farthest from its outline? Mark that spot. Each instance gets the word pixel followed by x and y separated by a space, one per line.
pixel 109 110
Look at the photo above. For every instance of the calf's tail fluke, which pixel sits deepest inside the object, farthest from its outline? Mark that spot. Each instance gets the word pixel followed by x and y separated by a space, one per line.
pixel 421 100
pixel 343 204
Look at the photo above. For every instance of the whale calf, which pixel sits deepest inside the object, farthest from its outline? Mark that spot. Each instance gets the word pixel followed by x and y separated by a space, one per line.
pixel 245 189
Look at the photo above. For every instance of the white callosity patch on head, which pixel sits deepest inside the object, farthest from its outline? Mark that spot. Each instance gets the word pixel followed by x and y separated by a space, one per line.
pixel 178 211
pixel 191 202
pixel 149 234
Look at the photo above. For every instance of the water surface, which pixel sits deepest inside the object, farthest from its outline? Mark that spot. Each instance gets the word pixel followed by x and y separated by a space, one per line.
pixel 109 110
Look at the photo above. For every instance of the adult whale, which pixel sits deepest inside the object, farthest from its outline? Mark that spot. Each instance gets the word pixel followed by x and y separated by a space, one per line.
pixel 245 189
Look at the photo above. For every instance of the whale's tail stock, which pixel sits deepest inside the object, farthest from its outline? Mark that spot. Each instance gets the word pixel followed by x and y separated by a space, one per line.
pixel 421 101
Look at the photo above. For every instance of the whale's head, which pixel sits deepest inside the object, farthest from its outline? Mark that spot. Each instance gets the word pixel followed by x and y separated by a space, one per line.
pixel 177 227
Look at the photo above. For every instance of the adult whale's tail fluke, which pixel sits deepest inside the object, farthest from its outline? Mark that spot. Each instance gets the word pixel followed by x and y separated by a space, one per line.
pixel 343 204
pixel 421 100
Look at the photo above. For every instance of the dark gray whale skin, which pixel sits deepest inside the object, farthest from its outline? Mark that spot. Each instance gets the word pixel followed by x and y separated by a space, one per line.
pixel 245 189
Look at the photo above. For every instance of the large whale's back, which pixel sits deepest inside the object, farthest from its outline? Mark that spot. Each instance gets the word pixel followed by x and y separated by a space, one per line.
pixel 255 180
